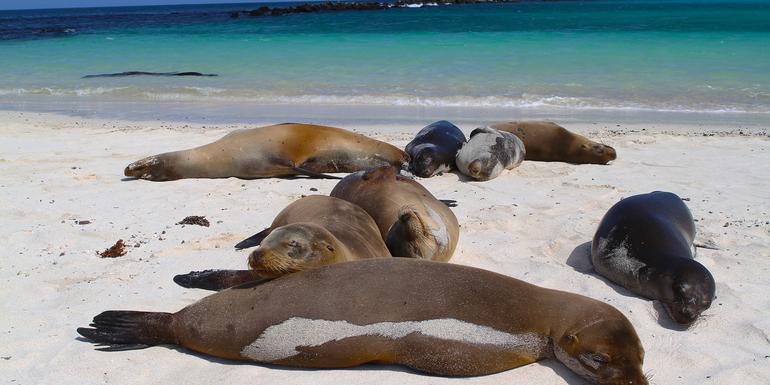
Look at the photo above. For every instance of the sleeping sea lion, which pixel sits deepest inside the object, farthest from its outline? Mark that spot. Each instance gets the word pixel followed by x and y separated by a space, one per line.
pixel 439 318
pixel 547 141
pixel 310 232
pixel 645 244
pixel 411 220
pixel 273 151
pixel 434 148
pixel 488 152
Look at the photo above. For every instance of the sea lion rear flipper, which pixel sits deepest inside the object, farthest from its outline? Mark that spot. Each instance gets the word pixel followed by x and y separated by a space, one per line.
pixel 215 280
pixel 313 174
pixel 449 202
pixel 253 240
pixel 125 330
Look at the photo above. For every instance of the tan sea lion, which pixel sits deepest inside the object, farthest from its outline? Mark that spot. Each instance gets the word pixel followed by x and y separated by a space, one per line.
pixel 549 142
pixel 411 220
pixel 273 151
pixel 310 232
pixel 439 318
pixel 645 244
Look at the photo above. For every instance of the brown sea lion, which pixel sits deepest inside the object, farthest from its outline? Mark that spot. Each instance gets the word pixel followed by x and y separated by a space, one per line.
pixel 549 142
pixel 312 231
pixel 645 244
pixel 439 318
pixel 411 220
pixel 273 151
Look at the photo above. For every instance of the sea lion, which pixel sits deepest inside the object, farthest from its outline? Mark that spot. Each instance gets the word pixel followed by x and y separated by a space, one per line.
pixel 488 152
pixel 312 231
pixel 549 142
pixel 645 244
pixel 273 151
pixel 439 318
pixel 434 149
pixel 411 220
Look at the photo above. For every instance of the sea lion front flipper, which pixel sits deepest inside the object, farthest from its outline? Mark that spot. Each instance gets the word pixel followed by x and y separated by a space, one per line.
pixel 313 174
pixel 449 202
pixel 120 347
pixel 215 280
pixel 253 240
pixel 486 130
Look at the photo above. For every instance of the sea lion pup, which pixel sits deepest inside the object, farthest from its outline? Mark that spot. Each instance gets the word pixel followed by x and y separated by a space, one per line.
pixel 488 152
pixel 434 149
pixel 411 220
pixel 312 231
pixel 273 151
pixel 549 142
pixel 644 243
pixel 439 318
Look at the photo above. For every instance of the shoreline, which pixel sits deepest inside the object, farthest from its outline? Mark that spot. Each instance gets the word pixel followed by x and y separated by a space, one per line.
pixel 221 112
pixel 532 223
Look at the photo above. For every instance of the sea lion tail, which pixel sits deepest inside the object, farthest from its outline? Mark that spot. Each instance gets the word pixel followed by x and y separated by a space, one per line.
pixel 116 330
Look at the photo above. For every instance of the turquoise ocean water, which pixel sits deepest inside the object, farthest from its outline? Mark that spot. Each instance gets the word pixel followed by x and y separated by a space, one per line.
pixel 684 56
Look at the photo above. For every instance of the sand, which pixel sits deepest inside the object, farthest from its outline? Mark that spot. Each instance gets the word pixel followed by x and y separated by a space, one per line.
pixel 62 199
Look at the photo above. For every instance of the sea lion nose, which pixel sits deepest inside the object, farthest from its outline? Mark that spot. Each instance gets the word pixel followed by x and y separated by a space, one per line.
pixel 255 258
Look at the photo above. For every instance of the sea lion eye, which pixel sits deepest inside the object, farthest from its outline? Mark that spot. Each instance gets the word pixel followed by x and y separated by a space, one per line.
pixel 594 360
pixel 293 244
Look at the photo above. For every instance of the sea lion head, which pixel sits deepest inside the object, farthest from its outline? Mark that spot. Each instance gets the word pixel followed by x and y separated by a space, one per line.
pixel 689 293
pixel 418 233
pixel 293 248
pixel 424 161
pixel 606 351
pixel 592 152
pixel 157 167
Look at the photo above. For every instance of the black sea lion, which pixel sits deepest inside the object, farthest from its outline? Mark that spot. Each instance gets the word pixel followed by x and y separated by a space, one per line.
pixel 310 232
pixel 434 148
pixel 644 243
pixel 273 151
pixel 439 318
pixel 488 152
pixel 547 141
pixel 411 220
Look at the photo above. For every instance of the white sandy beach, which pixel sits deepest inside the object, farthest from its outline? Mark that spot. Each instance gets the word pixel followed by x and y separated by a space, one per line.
pixel 533 223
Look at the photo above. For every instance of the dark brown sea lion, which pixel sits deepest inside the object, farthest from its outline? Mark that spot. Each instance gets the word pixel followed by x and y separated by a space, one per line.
pixel 547 141
pixel 310 232
pixel 434 148
pixel 411 220
pixel 273 151
pixel 439 318
pixel 645 244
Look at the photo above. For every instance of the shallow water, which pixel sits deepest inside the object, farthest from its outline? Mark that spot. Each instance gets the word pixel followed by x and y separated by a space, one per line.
pixel 680 56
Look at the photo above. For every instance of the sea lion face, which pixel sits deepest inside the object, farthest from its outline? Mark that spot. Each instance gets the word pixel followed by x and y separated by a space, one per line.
pixel 597 151
pixel 478 159
pixel 692 292
pixel 418 233
pixel 157 167
pixel 607 352
pixel 424 163
pixel 292 248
